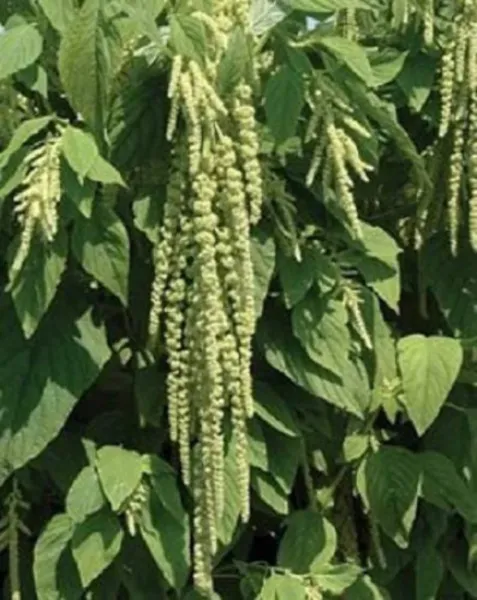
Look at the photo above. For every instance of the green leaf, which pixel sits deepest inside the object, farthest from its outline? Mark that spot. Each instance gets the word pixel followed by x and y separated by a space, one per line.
pixel 82 154
pixel 136 128
pixel 34 78
pixel 167 540
pixel 296 277
pixel 188 37
pixel 429 573
pixel 321 326
pixel 54 571
pixel 429 368
pixel 104 172
pixel 13 175
pixel 234 63
pixel 233 500
pixel 443 486
pixel 335 579
pixel 82 196
pixel 365 589
pixel 308 544
pixel 273 410
pixel 386 64
pixel 282 587
pixel 147 216
pixel 257 446
pixel 284 454
pixel 23 133
pixel 416 80
pixel 34 286
pixel 150 395
pixel 379 264
pixel 458 565
pixel 120 473
pixel 284 100
pixel 263 261
pixel 85 496
pixel 140 576
pixel 80 150
pixel 42 380
pixel 351 54
pixel 95 544
pixel 265 14
pixel 285 354
pixel 83 65
pixel 19 48
pixel 384 346
pixel 101 245
pixel 59 12
pixel 269 491
pixel 390 489
pixel 164 484
pixel 453 280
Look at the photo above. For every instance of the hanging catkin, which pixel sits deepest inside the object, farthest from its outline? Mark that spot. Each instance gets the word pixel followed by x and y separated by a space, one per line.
pixel 203 285
pixel 458 123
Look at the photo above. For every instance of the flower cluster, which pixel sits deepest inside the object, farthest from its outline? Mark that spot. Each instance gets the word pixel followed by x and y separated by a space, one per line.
pixel 36 205
pixel 458 122
pixel 352 302
pixel 203 285
pixel 336 152
pixel 346 23
pixel 134 508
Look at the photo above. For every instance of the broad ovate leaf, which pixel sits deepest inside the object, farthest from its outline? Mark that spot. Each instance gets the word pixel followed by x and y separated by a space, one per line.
pixel 351 54
pixel 265 14
pixel 34 286
pixel 378 262
pixel 167 540
pixel 23 133
pixel 59 12
pixel 120 473
pixel 443 486
pixel 83 64
pixel 429 367
pixel 95 544
pixel 273 410
pixel 55 573
pixel 309 542
pixel 335 579
pixel 429 573
pixel 321 326
pixel 453 281
pixel 19 48
pixel 101 245
pixel 263 260
pixel 284 99
pixel 296 278
pixel 283 587
pixel 85 496
pixel 232 507
pixel 283 352
pixel 389 485
pixel 80 150
pixel 42 379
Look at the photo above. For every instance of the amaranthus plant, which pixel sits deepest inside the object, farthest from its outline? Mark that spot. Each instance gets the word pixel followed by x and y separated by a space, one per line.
pixel 238 299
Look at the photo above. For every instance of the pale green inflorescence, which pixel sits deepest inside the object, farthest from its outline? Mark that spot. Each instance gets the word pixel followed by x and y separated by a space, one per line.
pixel 203 285
pixel 36 204
pixel 336 152
pixel 458 122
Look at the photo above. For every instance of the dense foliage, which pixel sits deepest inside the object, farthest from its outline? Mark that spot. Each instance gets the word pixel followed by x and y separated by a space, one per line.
pixel 238 299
